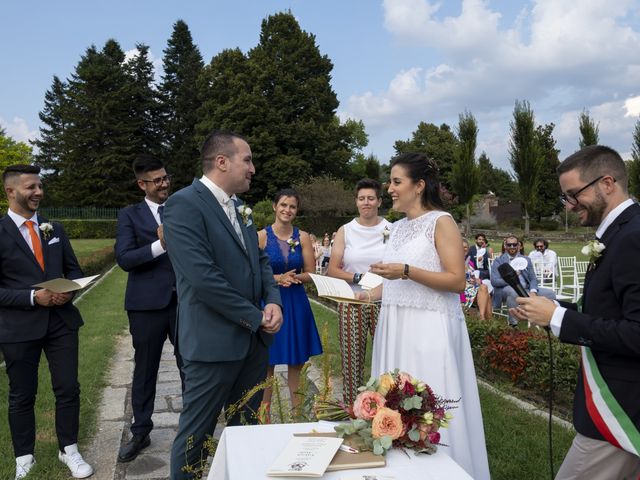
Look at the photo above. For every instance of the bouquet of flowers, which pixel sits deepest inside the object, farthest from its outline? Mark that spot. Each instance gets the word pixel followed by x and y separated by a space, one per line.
pixel 394 410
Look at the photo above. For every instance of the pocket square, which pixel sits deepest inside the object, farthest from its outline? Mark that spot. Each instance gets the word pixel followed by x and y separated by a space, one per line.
pixel 53 240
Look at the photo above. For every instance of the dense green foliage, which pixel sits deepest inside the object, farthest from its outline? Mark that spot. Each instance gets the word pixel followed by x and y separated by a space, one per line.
pixel 95 125
pixel 547 200
pixel 525 156
pixel 496 180
pixel 89 228
pixel 180 102
pixel 439 143
pixel 589 130
pixel 11 153
pixel 465 174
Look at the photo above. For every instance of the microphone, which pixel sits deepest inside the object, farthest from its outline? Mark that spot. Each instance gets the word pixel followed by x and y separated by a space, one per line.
pixel 510 276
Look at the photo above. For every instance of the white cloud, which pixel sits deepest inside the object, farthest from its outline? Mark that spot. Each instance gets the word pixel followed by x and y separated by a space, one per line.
pixel 561 55
pixel 18 129
pixel 632 105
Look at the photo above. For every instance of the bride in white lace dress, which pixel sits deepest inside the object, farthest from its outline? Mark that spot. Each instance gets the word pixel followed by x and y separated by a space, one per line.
pixel 421 329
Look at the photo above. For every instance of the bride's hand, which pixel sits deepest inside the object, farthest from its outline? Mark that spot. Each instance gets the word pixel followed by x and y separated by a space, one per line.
pixel 390 271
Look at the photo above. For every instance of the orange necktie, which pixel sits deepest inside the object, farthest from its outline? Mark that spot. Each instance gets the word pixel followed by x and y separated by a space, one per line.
pixel 35 243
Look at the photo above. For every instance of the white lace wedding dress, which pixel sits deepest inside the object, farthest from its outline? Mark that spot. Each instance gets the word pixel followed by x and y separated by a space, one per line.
pixel 422 331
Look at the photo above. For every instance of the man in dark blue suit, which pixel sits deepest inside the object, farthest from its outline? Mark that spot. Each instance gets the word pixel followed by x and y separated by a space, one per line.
pixel 150 298
pixel 606 407
pixel 36 320
pixel 229 305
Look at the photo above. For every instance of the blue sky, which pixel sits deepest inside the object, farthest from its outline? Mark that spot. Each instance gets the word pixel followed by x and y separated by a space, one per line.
pixel 396 62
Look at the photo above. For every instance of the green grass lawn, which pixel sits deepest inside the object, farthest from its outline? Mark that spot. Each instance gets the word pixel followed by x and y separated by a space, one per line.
pixel 86 246
pixel 105 319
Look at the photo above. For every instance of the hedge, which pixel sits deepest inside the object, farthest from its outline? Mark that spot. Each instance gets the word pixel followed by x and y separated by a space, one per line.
pixel 89 228
pixel 521 357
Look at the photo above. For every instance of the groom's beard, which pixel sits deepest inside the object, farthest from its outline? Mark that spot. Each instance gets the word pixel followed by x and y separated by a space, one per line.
pixel 595 211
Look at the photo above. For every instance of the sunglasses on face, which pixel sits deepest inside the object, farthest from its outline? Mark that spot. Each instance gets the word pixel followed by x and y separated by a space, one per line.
pixel 511 245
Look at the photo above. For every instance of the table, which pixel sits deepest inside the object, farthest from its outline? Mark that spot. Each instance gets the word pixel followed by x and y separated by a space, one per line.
pixel 246 453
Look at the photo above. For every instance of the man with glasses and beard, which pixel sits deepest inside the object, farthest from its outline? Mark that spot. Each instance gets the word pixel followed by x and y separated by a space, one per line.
pixel 150 298
pixel 527 276
pixel 606 324
pixel 544 255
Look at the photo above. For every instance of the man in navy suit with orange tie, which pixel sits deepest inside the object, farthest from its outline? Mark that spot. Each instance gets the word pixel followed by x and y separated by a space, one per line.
pixel 150 298
pixel 35 320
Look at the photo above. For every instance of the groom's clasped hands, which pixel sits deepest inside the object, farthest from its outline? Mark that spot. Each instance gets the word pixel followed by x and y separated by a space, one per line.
pixel 271 318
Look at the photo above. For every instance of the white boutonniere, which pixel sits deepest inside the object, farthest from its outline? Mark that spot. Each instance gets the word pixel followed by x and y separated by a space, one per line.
pixel 47 229
pixel 293 244
pixel 593 250
pixel 385 234
pixel 245 213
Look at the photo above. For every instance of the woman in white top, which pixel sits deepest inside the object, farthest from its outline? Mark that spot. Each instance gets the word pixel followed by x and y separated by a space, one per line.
pixel 421 329
pixel 357 245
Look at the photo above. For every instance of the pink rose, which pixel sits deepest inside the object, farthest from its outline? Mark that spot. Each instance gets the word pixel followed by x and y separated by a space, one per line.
pixel 434 438
pixel 387 422
pixel 367 404
pixel 404 378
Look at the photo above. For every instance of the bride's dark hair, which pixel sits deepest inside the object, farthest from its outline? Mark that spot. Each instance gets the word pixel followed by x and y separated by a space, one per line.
pixel 421 167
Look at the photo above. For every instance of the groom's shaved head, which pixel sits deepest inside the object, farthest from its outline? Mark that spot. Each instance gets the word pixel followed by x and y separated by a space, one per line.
pixel 219 142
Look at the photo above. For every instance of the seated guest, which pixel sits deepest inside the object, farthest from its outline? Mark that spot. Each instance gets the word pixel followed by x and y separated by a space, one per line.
pixel 524 268
pixel 477 291
pixel 480 253
pixel 544 255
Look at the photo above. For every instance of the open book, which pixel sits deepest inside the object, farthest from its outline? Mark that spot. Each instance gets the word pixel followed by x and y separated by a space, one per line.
pixel 338 290
pixel 348 461
pixel 305 457
pixel 64 285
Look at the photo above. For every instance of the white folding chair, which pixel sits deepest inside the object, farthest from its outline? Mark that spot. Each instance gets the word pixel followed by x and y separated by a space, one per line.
pixel 581 272
pixel 567 279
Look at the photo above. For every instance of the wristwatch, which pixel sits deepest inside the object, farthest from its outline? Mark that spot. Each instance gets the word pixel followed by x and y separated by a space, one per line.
pixel 356 278
pixel 405 273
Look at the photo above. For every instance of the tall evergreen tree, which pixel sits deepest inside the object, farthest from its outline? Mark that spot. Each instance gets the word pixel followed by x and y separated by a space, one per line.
pixel 548 197
pixel 465 175
pixel 144 104
pixel 299 133
pixel 589 130
pixel 634 164
pixel 525 155
pixel 182 67
pixel 439 143
pixel 95 125
pixel 50 144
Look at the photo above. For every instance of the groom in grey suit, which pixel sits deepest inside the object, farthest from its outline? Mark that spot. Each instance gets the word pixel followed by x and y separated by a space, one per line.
pixel 223 280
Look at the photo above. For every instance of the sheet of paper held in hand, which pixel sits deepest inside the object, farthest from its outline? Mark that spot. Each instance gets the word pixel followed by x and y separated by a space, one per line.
pixel 64 285
pixel 305 457
pixel 334 289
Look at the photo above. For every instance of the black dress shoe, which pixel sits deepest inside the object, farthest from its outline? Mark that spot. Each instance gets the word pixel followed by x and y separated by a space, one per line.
pixel 133 447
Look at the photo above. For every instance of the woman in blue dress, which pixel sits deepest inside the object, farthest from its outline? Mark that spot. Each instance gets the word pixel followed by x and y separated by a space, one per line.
pixel 292 257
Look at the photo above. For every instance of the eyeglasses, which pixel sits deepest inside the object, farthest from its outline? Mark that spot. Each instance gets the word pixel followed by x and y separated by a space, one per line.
pixel 158 180
pixel 512 245
pixel 539 247
pixel 572 198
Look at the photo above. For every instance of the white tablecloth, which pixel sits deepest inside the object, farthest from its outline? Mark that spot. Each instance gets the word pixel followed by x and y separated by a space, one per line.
pixel 246 453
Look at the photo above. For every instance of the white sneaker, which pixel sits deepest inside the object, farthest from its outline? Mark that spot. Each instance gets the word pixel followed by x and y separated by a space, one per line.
pixel 23 465
pixel 72 459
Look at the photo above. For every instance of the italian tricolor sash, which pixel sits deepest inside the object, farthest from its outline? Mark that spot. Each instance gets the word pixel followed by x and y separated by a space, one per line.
pixel 606 413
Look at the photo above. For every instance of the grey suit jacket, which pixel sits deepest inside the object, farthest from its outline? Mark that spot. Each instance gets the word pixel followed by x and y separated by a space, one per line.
pixel 221 286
